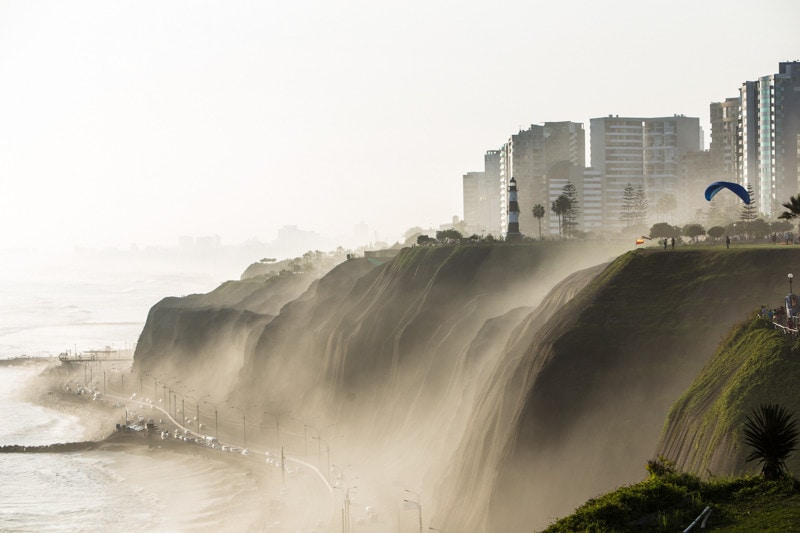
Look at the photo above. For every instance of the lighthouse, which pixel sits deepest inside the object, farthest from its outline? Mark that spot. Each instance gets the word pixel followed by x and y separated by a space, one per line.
pixel 513 233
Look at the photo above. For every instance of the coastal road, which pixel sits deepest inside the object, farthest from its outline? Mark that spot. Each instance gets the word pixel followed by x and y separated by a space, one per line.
pixel 299 497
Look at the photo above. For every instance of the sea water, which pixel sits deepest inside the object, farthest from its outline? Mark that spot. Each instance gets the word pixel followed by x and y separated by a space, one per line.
pixel 59 491
pixel 49 308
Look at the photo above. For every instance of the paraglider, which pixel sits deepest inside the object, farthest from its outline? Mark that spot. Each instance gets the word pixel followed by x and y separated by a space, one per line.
pixel 737 189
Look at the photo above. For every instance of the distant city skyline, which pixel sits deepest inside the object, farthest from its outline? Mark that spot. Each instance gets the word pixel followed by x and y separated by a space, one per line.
pixel 137 123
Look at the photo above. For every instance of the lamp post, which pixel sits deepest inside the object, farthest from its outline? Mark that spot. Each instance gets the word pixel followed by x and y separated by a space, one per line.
pixel 327 454
pixel 197 410
pixel 346 508
pixel 183 403
pixel 244 422
pixel 790 283
pixel 277 417
pixel 216 426
pixel 419 507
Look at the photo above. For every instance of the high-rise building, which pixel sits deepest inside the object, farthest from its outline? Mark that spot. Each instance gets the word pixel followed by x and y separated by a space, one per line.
pixel 724 138
pixel 640 152
pixel 472 183
pixel 531 154
pixel 495 194
pixel 769 129
pixel 483 198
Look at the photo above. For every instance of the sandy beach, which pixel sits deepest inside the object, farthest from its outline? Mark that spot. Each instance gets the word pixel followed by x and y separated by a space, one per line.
pixel 188 487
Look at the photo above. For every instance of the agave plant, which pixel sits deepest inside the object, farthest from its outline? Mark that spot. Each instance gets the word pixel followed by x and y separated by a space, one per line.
pixel 772 434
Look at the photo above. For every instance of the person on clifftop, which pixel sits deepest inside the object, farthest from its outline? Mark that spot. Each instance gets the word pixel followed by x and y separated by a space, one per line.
pixel 727 241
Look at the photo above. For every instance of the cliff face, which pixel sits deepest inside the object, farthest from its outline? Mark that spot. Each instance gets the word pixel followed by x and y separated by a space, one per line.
pixel 599 377
pixel 391 356
pixel 203 337
pixel 464 372
pixel 754 365
pixel 385 354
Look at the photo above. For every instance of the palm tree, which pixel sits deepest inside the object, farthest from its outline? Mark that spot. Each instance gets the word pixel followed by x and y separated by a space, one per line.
pixel 773 435
pixel 560 208
pixel 538 213
pixel 793 208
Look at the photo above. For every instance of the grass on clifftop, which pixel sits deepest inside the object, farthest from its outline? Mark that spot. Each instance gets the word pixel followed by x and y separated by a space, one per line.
pixel 670 501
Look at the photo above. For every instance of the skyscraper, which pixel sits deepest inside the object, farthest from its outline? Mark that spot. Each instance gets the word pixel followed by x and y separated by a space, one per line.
pixel 484 198
pixel 724 138
pixel 769 128
pixel 641 152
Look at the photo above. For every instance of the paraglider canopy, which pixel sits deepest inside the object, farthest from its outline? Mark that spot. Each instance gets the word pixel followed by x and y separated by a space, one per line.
pixel 737 189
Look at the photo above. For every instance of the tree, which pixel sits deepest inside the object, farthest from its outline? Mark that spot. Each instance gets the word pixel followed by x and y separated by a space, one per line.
pixel 628 214
pixel 560 207
pixel 538 214
pixel 792 208
pixel 641 208
pixel 571 216
pixel 716 232
pixel 693 231
pixel 412 234
pixel 772 434
pixel 757 228
pixel 749 211
pixel 662 229
pixel 780 226
pixel 449 236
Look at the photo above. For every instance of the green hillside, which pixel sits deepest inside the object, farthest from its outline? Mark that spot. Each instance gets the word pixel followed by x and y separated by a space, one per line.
pixel 672 502
pixel 754 365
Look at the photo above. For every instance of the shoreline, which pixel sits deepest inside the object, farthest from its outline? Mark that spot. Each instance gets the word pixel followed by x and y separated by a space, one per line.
pixel 192 487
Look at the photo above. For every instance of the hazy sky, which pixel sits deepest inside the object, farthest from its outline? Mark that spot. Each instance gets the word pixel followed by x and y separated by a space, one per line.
pixel 140 121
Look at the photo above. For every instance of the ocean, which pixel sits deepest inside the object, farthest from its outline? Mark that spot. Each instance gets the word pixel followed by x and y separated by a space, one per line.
pixel 58 491
pixel 51 307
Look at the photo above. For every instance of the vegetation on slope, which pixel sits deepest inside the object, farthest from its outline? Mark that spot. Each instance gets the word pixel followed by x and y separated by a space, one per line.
pixel 671 501
pixel 755 365
pixel 608 367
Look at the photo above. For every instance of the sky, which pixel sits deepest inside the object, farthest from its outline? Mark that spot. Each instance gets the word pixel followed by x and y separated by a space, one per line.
pixel 138 122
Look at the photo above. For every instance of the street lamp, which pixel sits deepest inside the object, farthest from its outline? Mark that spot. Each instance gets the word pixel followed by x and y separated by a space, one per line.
pixel 419 507
pixel 244 422
pixel 277 417
pixel 244 425
pixel 183 403
pixel 790 283
pixel 327 454
pixel 305 436
pixel 197 409
pixel 216 426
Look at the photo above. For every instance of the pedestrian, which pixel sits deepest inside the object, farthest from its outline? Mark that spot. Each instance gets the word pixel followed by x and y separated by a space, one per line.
pixel 727 241
pixel 665 244
pixel 673 243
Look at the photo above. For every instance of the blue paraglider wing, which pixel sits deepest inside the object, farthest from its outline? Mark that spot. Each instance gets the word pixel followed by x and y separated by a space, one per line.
pixel 737 189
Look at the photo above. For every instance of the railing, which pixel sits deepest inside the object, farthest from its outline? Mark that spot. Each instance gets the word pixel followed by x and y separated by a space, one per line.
pixel 788 330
